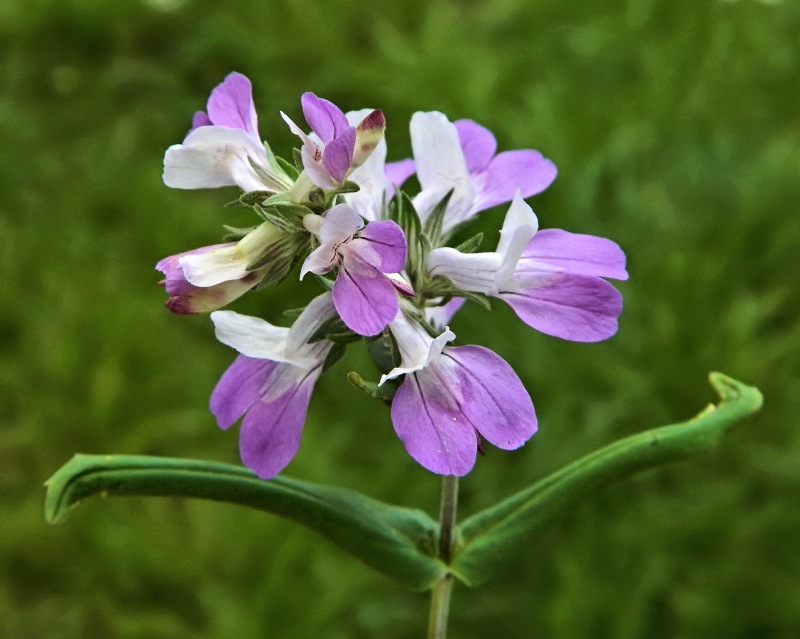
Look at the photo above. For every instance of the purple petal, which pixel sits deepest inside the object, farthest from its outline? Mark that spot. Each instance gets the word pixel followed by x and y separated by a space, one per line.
pixel 271 430
pixel 364 298
pixel 526 170
pixel 493 398
pixel 477 143
pixel 324 117
pixel 573 253
pixel 338 155
pixel 579 308
pixel 239 388
pixel 316 171
pixel 199 119
pixel 434 432
pixel 398 172
pixel 387 246
pixel 175 281
pixel 231 104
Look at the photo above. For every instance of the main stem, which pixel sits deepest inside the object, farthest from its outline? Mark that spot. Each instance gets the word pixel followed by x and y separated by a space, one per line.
pixel 440 595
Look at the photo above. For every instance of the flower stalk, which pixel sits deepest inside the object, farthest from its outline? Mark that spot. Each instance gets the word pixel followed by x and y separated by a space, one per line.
pixel 440 594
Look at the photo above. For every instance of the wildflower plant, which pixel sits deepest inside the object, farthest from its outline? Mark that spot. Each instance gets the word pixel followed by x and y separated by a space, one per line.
pixel 387 274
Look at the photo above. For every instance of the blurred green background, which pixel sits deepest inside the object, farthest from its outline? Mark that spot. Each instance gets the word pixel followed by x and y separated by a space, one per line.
pixel 676 130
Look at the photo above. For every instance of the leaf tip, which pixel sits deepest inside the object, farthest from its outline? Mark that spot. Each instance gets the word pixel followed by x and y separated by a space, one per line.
pixel 730 389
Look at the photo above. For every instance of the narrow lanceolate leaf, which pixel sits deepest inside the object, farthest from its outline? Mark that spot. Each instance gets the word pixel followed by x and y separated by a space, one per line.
pixel 497 534
pixel 397 542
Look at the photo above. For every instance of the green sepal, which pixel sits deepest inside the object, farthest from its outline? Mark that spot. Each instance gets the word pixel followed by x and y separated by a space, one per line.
pixel 346 187
pixel 253 198
pixel 283 252
pixel 345 337
pixel 384 393
pixel 287 167
pixel 332 326
pixel 297 158
pixel 266 178
pixel 441 286
pixel 270 214
pixel 294 312
pixel 234 233
pixel 433 225
pixel 392 540
pixel 496 535
pixel 383 351
pixel 334 355
pixel 472 244
pixel 403 212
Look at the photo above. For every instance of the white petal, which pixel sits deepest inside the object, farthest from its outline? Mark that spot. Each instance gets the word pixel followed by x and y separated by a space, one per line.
pixel 339 224
pixel 214 156
pixel 371 179
pixel 417 348
pixel 214 267
pixel 519 227
pixel 320 260
pixel 319 311
pixel 251 336
pixel 440 167
pixel 229 263
pixel 469 271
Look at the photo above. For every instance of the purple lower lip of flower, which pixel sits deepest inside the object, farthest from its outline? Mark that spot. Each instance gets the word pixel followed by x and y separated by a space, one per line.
pixel 273 421
pixel 440 411
pixel 578 308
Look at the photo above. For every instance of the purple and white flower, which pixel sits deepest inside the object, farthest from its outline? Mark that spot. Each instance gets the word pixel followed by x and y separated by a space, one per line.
pixel 461 157
pixel 270 382
pixel 552 279
pixel 452 397
pixel 336 146
pixel 207 278
pixel 364 295
pixel 187 299
pixel 223 148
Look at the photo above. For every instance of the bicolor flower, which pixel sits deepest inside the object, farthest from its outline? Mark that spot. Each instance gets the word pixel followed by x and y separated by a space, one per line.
pixel 207 278
pixel 552 279
pixel 336 147
pixel 223 148
pixel 270 383
pixel 452 397
pixel 188 299
pixel 364 295
pixel 461 157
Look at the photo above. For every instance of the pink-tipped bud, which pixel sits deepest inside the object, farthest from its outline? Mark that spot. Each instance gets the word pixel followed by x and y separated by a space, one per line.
pixel 369 133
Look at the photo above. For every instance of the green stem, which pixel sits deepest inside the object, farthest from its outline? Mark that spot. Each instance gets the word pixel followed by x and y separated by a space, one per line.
pixel 447 517
pixel 440 607
pixel 440 595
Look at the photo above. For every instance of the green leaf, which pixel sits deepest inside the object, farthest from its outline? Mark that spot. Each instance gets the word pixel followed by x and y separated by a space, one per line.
pixel 497 534
pixel 395 541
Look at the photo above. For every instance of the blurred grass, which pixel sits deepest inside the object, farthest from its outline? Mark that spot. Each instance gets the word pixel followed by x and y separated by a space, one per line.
pixel 676 130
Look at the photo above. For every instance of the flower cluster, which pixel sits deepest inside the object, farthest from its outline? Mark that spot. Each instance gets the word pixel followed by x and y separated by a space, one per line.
pixel 389 275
